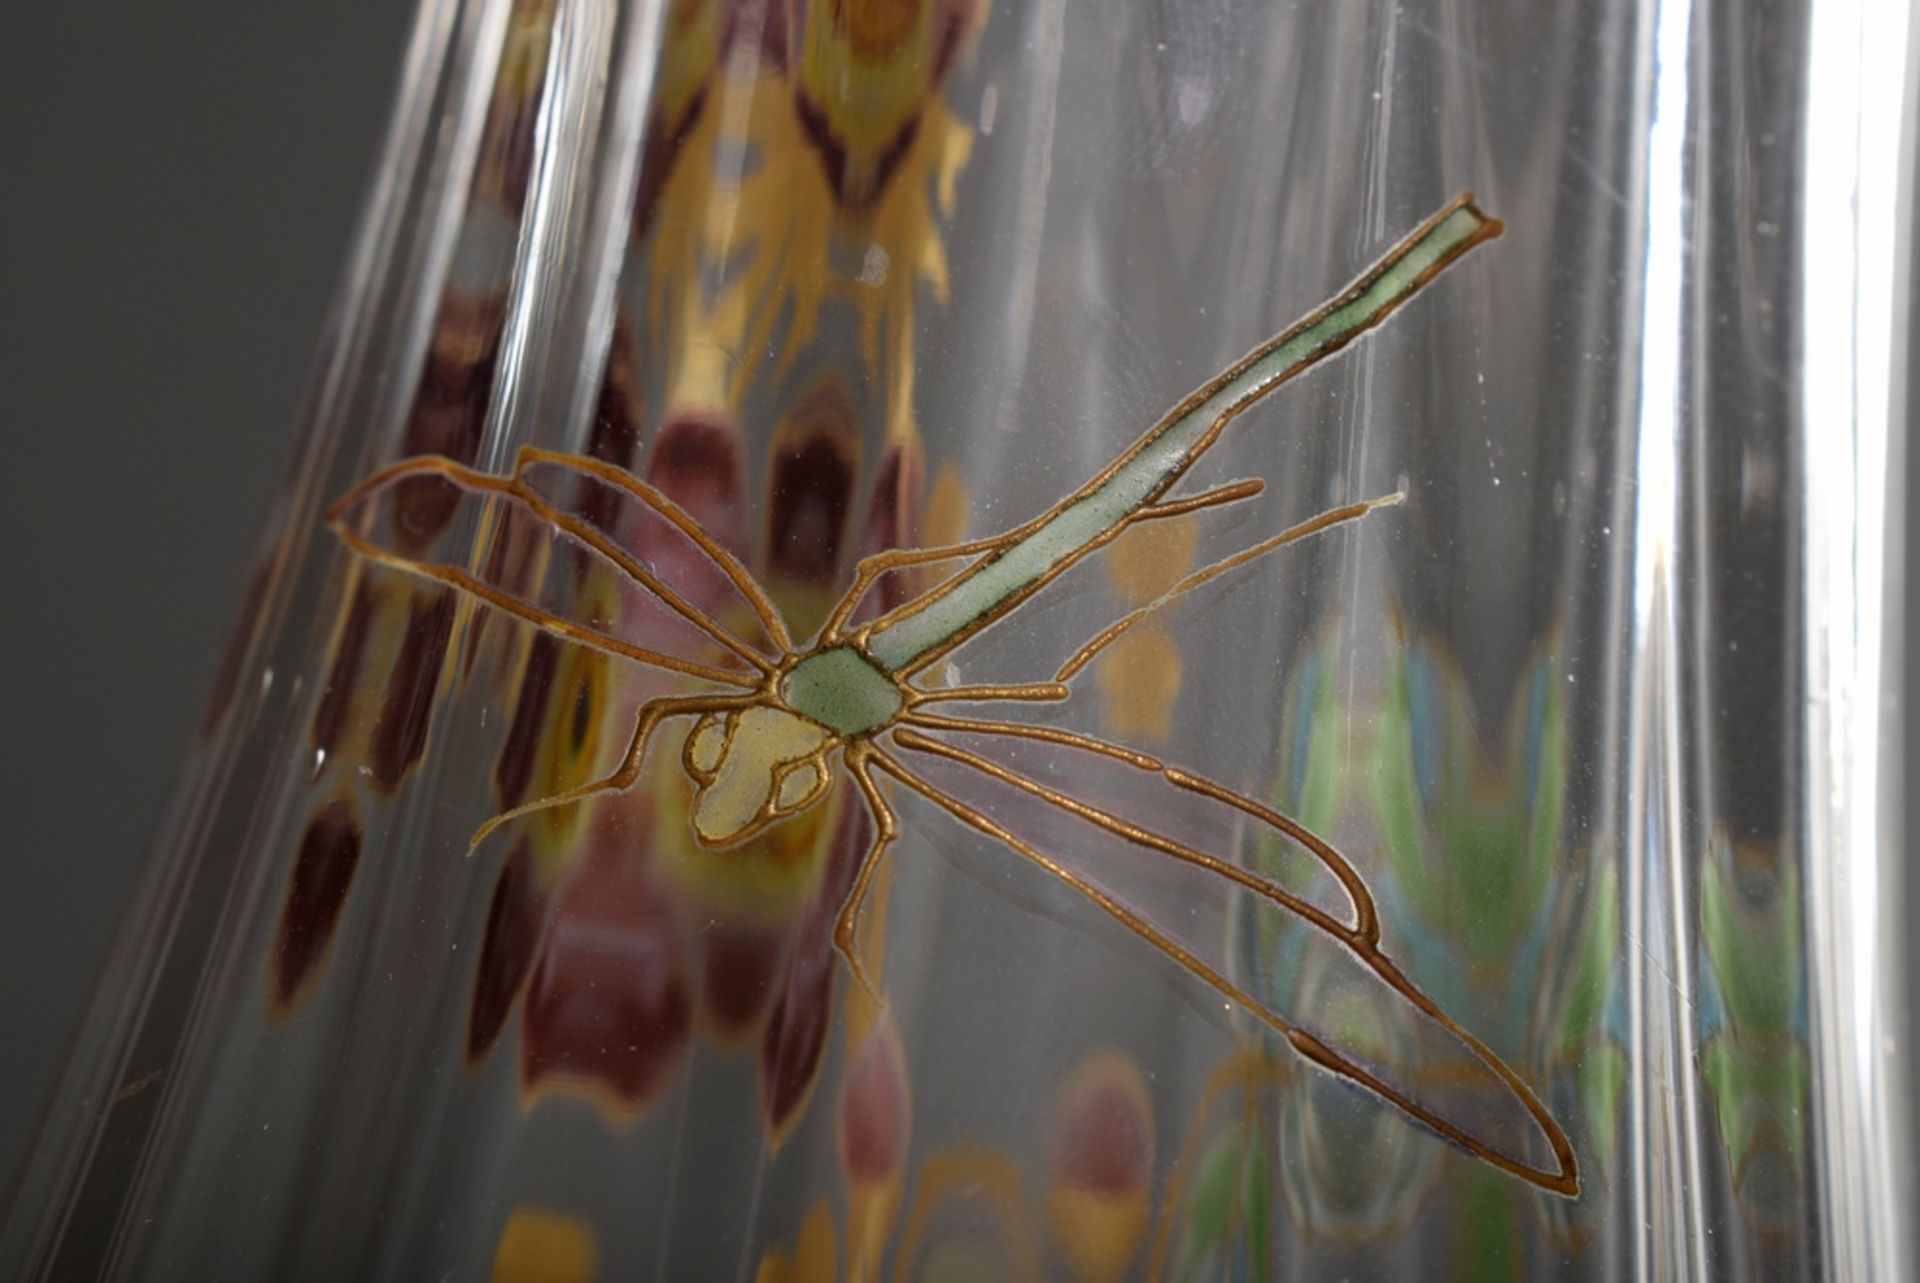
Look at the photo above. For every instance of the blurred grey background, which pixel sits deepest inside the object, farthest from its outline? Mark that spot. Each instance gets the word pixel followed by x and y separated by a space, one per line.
pixel 179 184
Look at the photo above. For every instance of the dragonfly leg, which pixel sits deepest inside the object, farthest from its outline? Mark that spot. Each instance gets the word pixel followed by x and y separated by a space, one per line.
pixel 1025 692
pixel 652 713
pixel 846 931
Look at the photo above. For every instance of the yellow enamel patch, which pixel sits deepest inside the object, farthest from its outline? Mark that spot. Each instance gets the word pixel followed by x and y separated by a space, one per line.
pixel 743 785
pixel 709 742
pixel 799 784
pixel 545 1247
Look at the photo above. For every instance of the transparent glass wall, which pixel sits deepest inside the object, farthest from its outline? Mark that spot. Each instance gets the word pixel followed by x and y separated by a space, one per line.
pixel 1591 714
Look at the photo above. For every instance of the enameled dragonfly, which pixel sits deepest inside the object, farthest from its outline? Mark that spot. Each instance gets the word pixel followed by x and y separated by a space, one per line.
pixel 773 717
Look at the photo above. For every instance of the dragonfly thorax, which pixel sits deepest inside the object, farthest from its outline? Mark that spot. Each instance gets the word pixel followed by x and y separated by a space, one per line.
pixel 842 689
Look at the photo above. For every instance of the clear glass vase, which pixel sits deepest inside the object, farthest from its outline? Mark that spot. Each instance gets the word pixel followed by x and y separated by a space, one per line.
pixel 1586 724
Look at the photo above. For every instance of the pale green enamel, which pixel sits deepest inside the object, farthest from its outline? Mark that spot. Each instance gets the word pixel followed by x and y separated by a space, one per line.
pixel 1163 455
pixel 839 687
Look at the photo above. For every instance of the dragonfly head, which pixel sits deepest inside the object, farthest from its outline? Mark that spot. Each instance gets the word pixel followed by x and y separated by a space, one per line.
pixel 752 767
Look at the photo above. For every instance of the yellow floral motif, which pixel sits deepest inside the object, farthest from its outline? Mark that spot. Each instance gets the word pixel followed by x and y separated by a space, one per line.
pixel 1139 679
pixel 676 305
pixel 523 53
pixel 876 29
pixel 1097 1199
pixel 814 1257
pixel 947 508
pixel 580 705
pixel 1139 675
pixel 545 1247
pixel 786 222
pixel 787 189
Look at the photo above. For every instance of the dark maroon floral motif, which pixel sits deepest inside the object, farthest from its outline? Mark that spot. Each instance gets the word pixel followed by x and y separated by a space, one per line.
pixel 322 873
pixel 400 735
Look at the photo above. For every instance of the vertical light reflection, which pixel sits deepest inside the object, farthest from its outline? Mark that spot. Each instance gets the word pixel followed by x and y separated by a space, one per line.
pixel 566 130
pixel 1857 68
pixel 1669 1222
pixel 450 175
pixel 587 313
pixel 1047 46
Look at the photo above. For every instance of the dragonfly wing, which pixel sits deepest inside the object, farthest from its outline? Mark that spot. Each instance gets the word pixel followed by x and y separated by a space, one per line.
pixel 1292 867
pixel 1172 858
pixel 563 558
pixel 687 520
